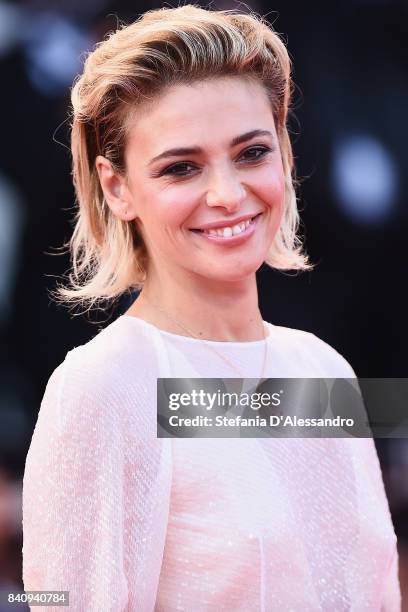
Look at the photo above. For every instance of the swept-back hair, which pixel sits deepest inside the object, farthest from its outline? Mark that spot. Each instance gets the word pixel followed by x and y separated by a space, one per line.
pixel 136 63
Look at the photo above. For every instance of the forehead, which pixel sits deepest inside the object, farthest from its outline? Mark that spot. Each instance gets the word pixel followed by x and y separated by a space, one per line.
pixel 222 106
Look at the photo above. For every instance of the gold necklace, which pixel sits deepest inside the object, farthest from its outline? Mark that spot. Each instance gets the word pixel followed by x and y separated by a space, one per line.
pixel 213 348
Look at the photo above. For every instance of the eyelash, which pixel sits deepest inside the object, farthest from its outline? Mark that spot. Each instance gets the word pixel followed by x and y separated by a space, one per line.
pixel 167 171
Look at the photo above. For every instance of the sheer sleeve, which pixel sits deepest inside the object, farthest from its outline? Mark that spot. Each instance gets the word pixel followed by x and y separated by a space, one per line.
pixel 392 594
pixel 95 497
pixel 378 523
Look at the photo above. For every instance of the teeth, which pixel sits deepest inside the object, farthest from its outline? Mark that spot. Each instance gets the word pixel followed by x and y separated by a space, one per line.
pixel 226 232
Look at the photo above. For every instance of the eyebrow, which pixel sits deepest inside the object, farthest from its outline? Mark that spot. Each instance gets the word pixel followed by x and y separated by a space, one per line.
pixel 194 150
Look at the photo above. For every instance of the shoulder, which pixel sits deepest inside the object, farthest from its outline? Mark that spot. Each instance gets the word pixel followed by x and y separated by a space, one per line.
pixel 308 349
pixel 112 376
pixel 117 348
pixel 119 352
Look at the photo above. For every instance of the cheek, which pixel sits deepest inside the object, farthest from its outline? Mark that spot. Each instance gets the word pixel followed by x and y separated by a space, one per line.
pixel 271 190
pixel 174 206
pixel 160 210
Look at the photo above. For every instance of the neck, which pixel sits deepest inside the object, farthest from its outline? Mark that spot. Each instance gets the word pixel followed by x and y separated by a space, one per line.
pixel 211 310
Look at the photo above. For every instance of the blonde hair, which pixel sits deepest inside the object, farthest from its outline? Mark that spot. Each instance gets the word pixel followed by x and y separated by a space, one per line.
pixel 164 47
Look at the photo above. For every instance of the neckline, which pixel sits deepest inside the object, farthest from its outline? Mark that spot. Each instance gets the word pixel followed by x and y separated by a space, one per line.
pixel 191 340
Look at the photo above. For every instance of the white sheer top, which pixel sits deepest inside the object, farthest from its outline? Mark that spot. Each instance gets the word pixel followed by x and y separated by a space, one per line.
pixel 129 522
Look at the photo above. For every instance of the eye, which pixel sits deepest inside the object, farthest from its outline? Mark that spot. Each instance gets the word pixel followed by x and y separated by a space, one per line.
pixel 177 169
pixel 261 150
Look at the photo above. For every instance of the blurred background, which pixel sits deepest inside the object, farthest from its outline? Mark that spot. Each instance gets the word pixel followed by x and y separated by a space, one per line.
pixel 349 133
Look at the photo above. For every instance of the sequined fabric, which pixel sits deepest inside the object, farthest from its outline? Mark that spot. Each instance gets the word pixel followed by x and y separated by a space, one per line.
pixel 128 522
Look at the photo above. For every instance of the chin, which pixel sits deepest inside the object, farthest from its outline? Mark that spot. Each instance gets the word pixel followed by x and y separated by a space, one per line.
pixel 232 274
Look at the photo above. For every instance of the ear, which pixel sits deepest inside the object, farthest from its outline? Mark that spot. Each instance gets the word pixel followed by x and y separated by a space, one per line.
pixel 114 189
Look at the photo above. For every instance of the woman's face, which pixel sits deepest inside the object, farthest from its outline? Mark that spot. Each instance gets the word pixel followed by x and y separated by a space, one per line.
pixel 228 172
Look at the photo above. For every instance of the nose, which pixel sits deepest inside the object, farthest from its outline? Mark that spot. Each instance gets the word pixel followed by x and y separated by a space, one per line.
pixel 226 191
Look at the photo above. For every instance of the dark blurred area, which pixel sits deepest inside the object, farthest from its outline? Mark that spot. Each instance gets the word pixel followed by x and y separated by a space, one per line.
pixel 349 133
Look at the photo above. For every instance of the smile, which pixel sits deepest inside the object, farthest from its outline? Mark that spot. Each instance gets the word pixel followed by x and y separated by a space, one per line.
pixel 230 235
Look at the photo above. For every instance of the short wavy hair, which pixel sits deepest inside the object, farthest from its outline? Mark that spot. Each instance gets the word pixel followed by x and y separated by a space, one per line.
pixel 136 63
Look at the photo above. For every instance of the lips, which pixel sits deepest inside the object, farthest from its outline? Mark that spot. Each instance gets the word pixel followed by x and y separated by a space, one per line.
pixel 224 229
pixel 230 241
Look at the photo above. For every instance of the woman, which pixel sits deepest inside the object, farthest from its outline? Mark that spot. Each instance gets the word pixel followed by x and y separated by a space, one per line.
pixel 182 166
